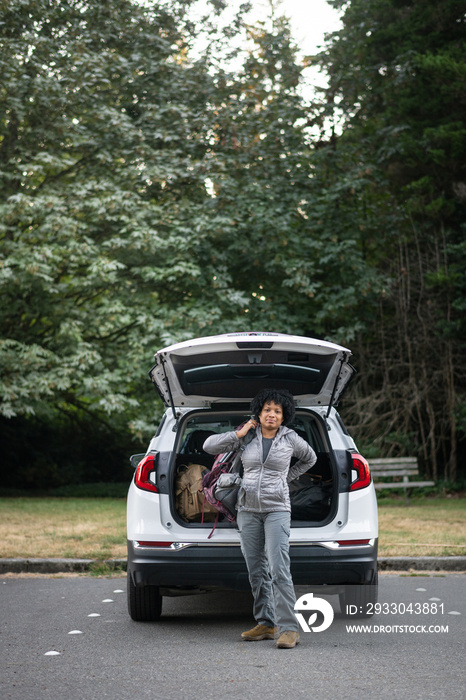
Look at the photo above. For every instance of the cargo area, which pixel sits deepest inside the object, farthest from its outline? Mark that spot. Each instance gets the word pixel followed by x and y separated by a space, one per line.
pixel 312 495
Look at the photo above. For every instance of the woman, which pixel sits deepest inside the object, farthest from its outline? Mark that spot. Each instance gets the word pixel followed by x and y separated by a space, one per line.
pixel 264 510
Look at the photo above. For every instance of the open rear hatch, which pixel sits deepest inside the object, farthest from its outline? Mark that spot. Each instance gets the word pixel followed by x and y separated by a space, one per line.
pixel 234 367
pixel 226 372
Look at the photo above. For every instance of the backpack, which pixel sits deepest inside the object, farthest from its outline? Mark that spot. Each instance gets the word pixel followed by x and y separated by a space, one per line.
pixel 221 485
pixel 190 502
pixel 225 465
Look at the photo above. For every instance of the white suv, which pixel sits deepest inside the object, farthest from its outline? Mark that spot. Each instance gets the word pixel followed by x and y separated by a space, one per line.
pixel 207 385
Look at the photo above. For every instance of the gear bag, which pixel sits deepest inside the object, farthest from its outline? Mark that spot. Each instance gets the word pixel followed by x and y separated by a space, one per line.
pixel 190 502
pixel 310 497
pixel 221 485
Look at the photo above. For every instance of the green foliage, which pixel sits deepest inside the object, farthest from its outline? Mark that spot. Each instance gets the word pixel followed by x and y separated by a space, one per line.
pixel 65 450
pixel 397 77
pixel 100 127
pixel 276 243
pixel 160 179
pixel 110 136
pixel 102 137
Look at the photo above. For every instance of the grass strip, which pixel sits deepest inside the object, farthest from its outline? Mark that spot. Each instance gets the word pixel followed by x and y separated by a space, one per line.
pixel 93 528
pixel 427 527
pixel 82 528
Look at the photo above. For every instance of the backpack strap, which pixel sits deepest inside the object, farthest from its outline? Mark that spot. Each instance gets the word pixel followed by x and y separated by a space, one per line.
pixel 215 525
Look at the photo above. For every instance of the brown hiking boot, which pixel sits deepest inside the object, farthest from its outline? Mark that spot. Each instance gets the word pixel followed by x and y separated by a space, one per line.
pixel 260 632
pixel 288 639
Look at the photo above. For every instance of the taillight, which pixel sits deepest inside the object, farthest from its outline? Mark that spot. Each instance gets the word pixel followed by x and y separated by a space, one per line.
pixel 361 467
pixel 146 469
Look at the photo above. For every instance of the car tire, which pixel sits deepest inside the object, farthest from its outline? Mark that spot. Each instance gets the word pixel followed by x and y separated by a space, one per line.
pixel 144 602
pixel 358 601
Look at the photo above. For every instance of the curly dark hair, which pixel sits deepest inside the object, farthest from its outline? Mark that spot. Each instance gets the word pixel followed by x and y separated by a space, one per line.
pixel 279 396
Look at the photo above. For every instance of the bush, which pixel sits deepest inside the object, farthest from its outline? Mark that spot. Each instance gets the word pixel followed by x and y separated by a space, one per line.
pixel 43 457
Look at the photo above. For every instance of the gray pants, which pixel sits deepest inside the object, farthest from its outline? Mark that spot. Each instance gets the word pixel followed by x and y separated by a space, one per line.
pixel 265 546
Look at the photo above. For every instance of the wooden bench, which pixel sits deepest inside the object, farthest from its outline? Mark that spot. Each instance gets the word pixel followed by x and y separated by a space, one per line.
pixel 404 467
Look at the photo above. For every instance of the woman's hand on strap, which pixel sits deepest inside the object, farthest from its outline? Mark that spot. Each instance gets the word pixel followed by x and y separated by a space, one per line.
pixel 246 428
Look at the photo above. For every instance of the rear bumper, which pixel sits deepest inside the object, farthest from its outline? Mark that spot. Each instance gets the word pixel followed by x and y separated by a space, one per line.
pixel 207 566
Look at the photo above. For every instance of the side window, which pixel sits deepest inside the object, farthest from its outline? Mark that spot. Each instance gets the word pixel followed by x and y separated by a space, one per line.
pixel 306 427
pixel 198 428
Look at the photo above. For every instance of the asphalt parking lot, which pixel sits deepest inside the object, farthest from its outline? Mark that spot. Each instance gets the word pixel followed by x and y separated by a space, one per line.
pixel 72 637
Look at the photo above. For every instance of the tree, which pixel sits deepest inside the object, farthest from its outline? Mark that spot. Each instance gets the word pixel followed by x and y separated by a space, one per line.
pixel 396 74
pixel 275 245
pixel 102 139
